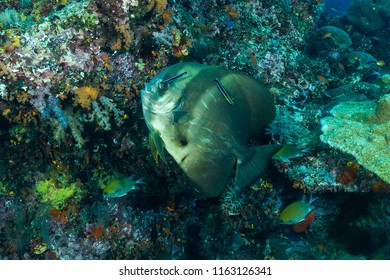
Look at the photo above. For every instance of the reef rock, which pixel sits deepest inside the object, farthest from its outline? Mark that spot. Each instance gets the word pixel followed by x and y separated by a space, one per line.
pixel 367 15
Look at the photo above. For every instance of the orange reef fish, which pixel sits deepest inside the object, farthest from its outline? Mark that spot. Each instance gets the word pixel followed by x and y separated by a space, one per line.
pixel 121 186
pixel 299 214
pixel 341 66
pixel 204 116
pixel 326 35
pixel 323 79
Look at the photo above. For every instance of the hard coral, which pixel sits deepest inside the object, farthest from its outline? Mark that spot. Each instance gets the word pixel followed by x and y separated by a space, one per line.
pixel 340 38
pixel 84 95
pixel 362 130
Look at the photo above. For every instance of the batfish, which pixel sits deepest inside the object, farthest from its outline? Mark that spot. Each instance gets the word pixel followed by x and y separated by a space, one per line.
pixel 204 116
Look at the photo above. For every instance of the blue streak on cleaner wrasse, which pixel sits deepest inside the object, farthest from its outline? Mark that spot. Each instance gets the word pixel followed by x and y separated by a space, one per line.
pixel 222 89
pixel 190 118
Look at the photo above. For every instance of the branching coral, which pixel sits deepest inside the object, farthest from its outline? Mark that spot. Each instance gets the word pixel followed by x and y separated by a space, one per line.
pixel 289 127
pixel 101 112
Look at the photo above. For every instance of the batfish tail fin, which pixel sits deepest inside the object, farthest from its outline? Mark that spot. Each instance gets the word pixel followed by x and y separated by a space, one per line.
pixel 253 165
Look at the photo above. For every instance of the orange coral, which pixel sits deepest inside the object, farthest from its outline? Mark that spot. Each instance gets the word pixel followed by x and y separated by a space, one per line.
pixel 298 185
pixel 125 30
pixel 106 60
pixel 380 186
pixel 232 11
pixel 58 215
pixel 85 95
pixel 350 174
pixel 97 232
pixel 304 225
pixel 161 5
pixel 158 5
pixel 116 45
pixel 6 111
pixel 167 16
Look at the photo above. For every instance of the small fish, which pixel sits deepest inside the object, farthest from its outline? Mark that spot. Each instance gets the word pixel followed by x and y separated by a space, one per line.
pixel 222 89
pixel 289 151
pixel 349 27
pixel 121 186
pixel 299 214
pixel 336 9
pixel 253 59
pixel 323 79
pixel 380 63
pixel 229 23
pixel 326 35
pixel 341 66
pixel 40 248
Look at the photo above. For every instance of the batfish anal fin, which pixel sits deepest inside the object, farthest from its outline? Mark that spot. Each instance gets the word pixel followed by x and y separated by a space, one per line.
pixel 210 174
pixel 253 165
pixel 156 145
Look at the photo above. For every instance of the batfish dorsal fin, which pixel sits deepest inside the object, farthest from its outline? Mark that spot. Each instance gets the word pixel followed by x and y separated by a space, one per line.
pixel 253 165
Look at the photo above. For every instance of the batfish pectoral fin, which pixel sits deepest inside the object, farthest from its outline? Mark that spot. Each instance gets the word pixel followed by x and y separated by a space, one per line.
pixel 156 145
pixel 252 165
pixel 177 115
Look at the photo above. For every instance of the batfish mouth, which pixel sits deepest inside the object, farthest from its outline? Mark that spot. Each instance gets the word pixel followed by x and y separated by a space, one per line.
pixel 147 89
pixel 146 99
pixel 156 101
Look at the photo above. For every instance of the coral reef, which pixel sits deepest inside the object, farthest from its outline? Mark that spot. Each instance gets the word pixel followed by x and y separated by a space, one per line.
pixel 71 118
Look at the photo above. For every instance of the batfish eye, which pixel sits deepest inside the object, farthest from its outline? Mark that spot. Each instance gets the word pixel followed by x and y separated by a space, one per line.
pixel 163 85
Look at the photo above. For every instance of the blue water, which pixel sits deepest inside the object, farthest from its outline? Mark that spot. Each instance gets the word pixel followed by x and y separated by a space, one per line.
pixel 336 7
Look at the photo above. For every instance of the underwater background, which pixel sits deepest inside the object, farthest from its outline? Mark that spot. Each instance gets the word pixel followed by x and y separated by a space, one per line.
pixel 74 141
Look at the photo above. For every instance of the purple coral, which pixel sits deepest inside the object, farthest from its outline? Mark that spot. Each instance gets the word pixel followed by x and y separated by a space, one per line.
pixel 124 69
